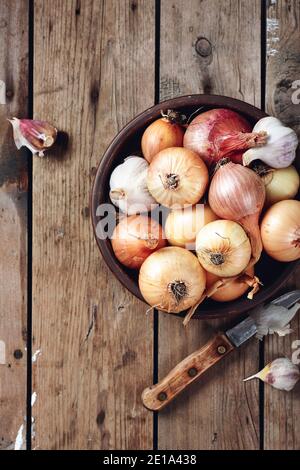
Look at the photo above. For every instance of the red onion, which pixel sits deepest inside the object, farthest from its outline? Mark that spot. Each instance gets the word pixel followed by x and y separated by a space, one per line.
pixel 219 133
pixel 238 193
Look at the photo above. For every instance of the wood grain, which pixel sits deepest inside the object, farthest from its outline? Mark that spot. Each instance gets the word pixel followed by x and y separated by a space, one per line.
pixel 95 341
pixel 13 224
pixel 282 426
pixel 219 411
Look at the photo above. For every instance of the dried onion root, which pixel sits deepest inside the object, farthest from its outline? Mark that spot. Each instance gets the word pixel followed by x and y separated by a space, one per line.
pixel 252 281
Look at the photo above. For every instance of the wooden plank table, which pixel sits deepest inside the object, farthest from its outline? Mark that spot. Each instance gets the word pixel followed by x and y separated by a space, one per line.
pixel 89 66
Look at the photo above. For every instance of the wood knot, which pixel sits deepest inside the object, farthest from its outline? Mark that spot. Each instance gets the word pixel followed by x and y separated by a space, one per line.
pixel 94 94
pixel 203 47
pixel 18 354
pixel 100 418
pixel 85 212
pixel 78 8
pixel 9 94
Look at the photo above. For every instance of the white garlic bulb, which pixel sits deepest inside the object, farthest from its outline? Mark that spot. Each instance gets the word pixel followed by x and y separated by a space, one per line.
pixel 128 186
pixel 280 149
pixel 280 373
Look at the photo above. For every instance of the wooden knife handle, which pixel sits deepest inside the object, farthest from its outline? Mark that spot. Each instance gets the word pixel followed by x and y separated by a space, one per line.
pixel 187 371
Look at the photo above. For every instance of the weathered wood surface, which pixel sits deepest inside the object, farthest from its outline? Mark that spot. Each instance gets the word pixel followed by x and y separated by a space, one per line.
pixel 282 410
pixel 94 69
pixel 95 341
pixel 219 411
pixel 13 225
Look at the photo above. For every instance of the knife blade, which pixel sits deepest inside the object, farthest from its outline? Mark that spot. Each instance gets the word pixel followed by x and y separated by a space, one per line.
pixel 192 367
pixel 244 330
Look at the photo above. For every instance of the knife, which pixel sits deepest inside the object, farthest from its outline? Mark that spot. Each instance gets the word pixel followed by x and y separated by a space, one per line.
pixel 157 396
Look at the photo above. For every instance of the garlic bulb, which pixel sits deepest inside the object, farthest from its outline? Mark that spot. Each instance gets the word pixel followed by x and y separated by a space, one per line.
pixel 37 136
pixel 280 149
pixel 280 373
pixel 128 186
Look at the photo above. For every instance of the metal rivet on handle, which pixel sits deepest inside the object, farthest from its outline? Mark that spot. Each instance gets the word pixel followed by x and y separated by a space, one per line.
pixel 192 372
pixel 221 349
pixel 162 396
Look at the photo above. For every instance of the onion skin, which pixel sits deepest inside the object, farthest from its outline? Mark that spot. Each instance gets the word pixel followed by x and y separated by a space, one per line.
pixel 231 291
pixel 166 268
pixel 182 225
pixel 161 134
pixel 220 133
pixel 223 248
pixel 280 231
pixel 239 195
pixel 135 238
pixel 177 177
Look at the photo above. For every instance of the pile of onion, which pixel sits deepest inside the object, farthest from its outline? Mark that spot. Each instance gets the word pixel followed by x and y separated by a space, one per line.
pixel 135 238
pixel 172 279
pixel 220 133
pixel 206 161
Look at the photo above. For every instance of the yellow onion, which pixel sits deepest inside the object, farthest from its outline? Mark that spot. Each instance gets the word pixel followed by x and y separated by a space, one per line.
pixel 182 225
pixel 230 291
pixel 161 134
pixel 135 238
pixel 280 231
pixel 280 184
pixel 177 177
pixel 172 279
pixel 223 248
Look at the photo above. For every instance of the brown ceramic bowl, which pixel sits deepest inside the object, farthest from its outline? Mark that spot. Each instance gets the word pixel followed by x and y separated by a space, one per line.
pixel 272 273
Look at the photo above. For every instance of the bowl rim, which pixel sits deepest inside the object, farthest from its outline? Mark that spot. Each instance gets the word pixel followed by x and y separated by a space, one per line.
pixel 151 113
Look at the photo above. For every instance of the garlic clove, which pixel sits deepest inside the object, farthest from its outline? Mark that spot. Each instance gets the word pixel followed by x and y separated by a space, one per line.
pixel 280 373
pixel 272 319
pixel 37 136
